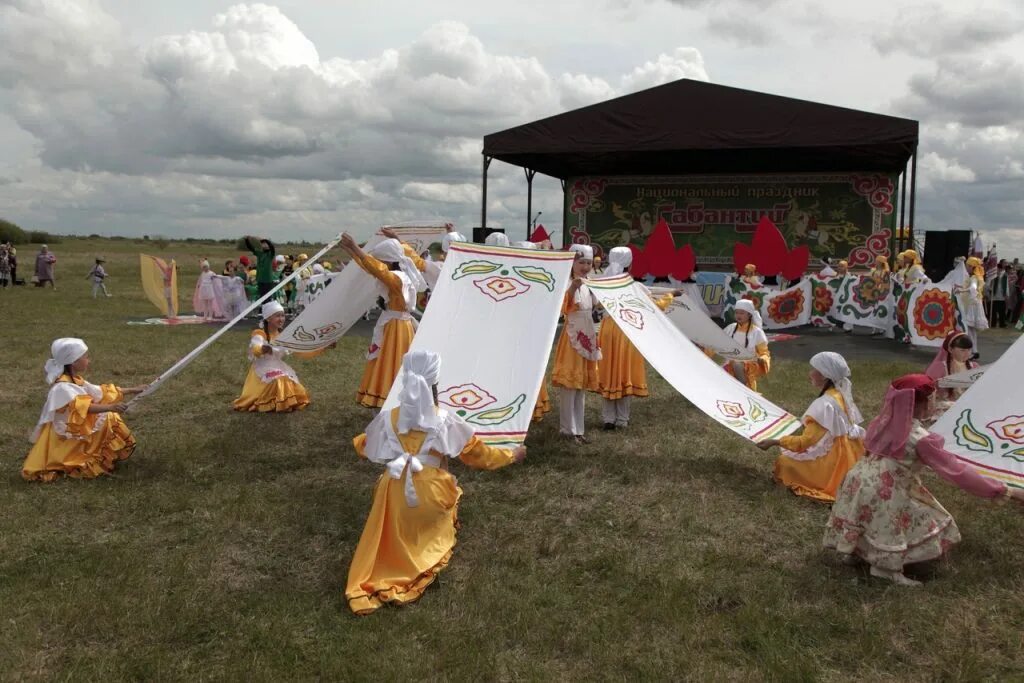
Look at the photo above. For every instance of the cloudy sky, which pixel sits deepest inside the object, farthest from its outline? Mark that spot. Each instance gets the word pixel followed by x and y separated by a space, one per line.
pixel 303 117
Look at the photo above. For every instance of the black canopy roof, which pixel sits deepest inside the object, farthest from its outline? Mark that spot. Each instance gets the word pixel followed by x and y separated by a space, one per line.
pixel 688 127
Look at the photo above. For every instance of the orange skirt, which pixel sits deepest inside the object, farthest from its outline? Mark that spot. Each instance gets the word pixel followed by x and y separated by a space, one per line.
pixel 380 372
pixel 53 456
pixel 622 371
pixel 543 406
pixel 280 396
pixel 572 371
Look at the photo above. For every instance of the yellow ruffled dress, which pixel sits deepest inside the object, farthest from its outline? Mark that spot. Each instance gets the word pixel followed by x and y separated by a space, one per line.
pixel 622 371
pixel 282 394
pixel 814 475
pixel 396 338
pixel 402 549
pixel 78 443
pixel 571 370
pixel 543 405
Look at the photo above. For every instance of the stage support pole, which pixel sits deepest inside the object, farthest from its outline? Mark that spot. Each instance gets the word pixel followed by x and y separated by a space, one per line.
pixel 483 203
pixel 913 198
pixel 903 208
pixel 565 213
pixel 529 198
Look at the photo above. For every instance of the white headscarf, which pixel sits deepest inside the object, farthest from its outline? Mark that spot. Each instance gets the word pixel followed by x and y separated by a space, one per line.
pixel 748 306
pixel 827 271
pixel 585 251
pixel 318 269
pixel 450 237
pixel 958 276
pixel 204 264
pixel 524 245
pixel 391 251
pixel 270 308
pixel 420 372
pixel 497 239
pixel 619 261
pixel 63 351
pixel 834 367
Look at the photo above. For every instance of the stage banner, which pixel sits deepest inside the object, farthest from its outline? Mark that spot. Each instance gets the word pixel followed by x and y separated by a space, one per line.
pixel 352 293
pixel 689 315
pixel 985 427
pixel 864 301
pixel 160 284
pixel 837 215
pixel 779 309
pixel 492 318
pixel 925 313
pixel 684 366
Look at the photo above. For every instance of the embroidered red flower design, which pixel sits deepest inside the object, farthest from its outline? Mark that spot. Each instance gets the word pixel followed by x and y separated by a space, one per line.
pixel 885 493
pixel 865 515
pixel 584 341
pixel 887 479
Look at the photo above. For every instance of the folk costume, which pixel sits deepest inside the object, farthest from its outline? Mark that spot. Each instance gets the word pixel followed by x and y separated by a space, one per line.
pixel 971 298
pixel 622 373
pixel 543 405
pixel 750 276
pixel 883 514
pixel 432 269
pixel 815 463
pixel 576 354
pixel 914 273
pixel 271 385
pixel 68 439
pixel 410 532
pixel 753 337
pixel 393 333
pixel 946 364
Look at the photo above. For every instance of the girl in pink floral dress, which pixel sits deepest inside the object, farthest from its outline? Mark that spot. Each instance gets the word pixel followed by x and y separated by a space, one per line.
pixel 883 514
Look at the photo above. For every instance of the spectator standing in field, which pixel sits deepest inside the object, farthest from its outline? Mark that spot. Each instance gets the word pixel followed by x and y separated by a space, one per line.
pixel 265 252
pixel 12 258
pixel 999 289
pixel 98 274
pixel 45 261
pixel 5 266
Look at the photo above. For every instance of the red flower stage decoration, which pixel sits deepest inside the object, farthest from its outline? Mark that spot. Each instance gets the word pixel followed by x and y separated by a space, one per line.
pixel 660 258
pixel 934 316
pixel 770 253
pixel 539 235
pixel 787 307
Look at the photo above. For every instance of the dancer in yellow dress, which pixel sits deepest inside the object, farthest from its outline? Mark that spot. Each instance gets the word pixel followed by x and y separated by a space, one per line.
pixel 578 350
pixel 271 385
pixel 815 463
pixel 410 532
pixel 747 329
pixel 80 432
pixel 750 276
pixel 399 280
pixel 622 373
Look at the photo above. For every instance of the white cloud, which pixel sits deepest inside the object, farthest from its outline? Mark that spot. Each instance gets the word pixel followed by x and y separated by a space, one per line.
pixel 934 29
pixel 933 166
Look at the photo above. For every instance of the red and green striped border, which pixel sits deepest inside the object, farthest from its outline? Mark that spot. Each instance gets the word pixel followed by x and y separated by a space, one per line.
pixel 511 252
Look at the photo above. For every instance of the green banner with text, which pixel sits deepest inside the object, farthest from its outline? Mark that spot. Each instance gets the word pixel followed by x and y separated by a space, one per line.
pixel 841 215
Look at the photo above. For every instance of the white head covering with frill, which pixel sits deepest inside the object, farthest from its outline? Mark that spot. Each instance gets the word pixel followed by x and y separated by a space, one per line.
pixel 446 434
pixel 620 259
pixel 835 368
pixel 63 351
pixel 497 239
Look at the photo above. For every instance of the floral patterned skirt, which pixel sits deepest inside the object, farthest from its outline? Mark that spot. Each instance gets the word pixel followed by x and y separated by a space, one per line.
pixel 885 515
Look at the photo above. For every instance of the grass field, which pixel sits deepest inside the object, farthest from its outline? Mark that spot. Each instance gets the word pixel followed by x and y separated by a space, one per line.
pixel 220 549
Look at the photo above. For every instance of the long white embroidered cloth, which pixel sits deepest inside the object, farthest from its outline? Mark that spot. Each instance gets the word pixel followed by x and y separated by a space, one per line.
pixel 685 367
pixel 492 319
pixel 691 318
pixel 351 294
pixel 985 427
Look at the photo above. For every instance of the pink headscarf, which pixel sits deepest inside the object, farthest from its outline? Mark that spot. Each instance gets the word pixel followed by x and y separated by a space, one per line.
pixel 887 433
pixel 939 367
